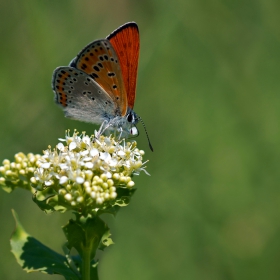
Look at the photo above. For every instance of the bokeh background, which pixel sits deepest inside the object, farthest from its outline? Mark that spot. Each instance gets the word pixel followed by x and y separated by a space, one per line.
pixel 208 91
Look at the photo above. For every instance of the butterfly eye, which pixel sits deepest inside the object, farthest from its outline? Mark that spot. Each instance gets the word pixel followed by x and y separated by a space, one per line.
pixel 129 118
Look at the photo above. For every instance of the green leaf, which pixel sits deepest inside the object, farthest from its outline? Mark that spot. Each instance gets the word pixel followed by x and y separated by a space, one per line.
pixel 113 210
pixel 106 240
pixel 49 202
pixel 10 185
pixel 75 235
pixel 87 234
pixel 124 197
pixel 43 204
pixel 33 256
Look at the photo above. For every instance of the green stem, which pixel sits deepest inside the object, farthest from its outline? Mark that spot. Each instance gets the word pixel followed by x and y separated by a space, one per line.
pixel 86 263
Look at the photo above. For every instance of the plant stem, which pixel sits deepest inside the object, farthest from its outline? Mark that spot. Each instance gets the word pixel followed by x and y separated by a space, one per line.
pixel 86 263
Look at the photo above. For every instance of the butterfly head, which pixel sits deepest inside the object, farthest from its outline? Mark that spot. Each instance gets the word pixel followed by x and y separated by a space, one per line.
pixel 132 118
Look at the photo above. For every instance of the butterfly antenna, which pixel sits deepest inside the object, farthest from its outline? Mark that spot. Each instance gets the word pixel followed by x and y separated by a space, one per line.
pixel 150 145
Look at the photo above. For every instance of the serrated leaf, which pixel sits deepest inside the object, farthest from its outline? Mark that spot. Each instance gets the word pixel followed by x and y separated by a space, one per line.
pixel 106 240
pixel 42 204
pixel 10 186
pixel 124 196
pixel 85 234
pixel 34 256
pixel 113 210
pixel 49 204
pixel 75 235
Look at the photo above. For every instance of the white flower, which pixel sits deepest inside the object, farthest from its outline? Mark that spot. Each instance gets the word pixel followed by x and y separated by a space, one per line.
pixel 84 172
pixel 72 146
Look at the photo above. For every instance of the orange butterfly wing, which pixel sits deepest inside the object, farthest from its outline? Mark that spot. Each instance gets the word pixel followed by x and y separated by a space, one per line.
pixel 100 61
pixel 126 43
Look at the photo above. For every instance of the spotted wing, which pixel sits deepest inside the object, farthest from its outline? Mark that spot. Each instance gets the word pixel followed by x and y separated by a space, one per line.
pixel 126 43
pixel 81 97
pixel 100 61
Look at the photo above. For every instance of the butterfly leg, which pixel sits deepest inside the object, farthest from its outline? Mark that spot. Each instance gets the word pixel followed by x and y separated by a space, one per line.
pixel 121 132
pixel 102 128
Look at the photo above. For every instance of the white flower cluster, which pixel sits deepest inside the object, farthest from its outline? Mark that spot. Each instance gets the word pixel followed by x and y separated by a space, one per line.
pixel 18 173
pixel 86 172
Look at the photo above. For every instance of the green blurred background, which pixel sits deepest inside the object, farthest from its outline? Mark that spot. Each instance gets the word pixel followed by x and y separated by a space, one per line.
pixel 208 91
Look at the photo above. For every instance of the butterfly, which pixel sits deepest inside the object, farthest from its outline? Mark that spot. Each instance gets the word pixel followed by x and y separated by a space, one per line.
pixel 99 85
